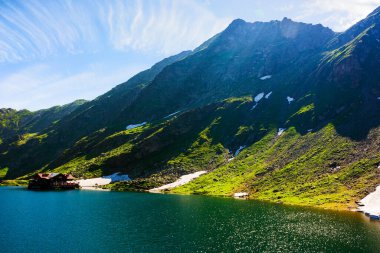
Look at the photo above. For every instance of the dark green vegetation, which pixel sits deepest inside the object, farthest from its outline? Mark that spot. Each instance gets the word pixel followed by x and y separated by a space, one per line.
pixel 321 86
pixel 15 123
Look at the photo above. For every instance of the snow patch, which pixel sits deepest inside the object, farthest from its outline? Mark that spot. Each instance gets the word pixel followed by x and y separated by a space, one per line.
pixel 129 127
pixel 268 95
pixel 239 150
pixel 266 77
pixel 172 114
pixel 280 131
pixel 371 203
pixel 117 177
pixel 181 181
pixel 241 195
pixel 230 159
pixel 290 99
pixel 259 97
pixel 93 182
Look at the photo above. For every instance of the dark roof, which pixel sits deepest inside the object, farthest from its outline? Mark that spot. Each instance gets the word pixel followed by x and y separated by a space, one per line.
pixel 48 175
pixel 53 175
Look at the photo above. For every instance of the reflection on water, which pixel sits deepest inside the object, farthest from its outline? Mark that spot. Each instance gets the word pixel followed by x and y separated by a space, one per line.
pixel 84 221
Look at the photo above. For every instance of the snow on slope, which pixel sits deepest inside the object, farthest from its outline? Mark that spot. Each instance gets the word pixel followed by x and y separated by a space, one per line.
pixel 99 181
pixel 239 150
pixel 371 203
pixel 266 77
pixel 241 195
pixel 117 177
pixel 290 99
pixel 259 97
pixel 181 181
pixel 129 127
pixel 92 182
pixel 172 114
pixel 280 131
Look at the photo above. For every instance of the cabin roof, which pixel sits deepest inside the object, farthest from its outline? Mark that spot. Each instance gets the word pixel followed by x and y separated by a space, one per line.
pixel 53 175
pixel 69 177
pixel 48 175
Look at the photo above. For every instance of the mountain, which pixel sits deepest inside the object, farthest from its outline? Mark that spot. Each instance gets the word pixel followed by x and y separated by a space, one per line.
pixel 231 65
pixel 16 123
pixel 297 104
pixel 87 118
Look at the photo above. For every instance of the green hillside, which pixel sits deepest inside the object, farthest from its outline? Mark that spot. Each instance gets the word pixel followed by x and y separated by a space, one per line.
pixel 301 102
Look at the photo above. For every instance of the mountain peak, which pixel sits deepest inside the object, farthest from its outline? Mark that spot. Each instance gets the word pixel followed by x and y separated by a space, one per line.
pixel 287 20
pixel 236 23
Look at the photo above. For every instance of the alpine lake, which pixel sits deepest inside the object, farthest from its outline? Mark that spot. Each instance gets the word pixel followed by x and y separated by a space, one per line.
pixel 100 221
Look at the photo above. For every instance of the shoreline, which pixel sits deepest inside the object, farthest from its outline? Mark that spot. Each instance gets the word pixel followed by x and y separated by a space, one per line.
pixel 93 188
pixel 338 208
pixel 350 207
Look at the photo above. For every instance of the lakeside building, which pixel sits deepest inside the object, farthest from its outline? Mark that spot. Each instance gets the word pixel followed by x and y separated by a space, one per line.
pixel 52 181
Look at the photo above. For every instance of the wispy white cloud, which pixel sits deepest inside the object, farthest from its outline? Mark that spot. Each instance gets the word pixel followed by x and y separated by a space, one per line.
pixel 36 34
pixel 337 14
pixel 164 26
pixel 37 29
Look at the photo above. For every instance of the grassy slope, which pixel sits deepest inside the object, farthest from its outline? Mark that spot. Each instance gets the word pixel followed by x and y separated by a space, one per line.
pixel 163 150
pixel 318 169
pixel 330 167
pixel 14 183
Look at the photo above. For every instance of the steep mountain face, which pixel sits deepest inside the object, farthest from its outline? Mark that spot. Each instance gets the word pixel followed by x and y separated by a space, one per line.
pixel 102 111
pixel 348 80
pixel 279 109
pixel 16 123
pixel 353 32
pixel 232 65
pixel 10 120
pixel 89 117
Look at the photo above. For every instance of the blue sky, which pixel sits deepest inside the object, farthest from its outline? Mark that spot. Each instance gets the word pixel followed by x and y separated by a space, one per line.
pixel 54 52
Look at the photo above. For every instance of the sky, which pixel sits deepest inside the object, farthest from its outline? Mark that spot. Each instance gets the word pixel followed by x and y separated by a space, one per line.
pixel 54 52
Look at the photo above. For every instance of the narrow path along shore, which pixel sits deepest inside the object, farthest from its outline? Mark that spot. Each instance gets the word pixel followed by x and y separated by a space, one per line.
pixel 181 181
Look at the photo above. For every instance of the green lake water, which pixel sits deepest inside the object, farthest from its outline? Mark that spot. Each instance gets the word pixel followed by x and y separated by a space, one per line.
pixel 91 221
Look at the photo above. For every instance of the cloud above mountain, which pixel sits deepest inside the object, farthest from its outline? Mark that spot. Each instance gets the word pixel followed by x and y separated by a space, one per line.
pixel 123 37
pixel 34 29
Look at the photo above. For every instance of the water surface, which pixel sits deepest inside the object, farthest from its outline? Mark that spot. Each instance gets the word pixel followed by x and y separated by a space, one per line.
pixel 91 221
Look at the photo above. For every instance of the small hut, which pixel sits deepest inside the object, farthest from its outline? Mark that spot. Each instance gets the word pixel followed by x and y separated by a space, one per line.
pixel 52 181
